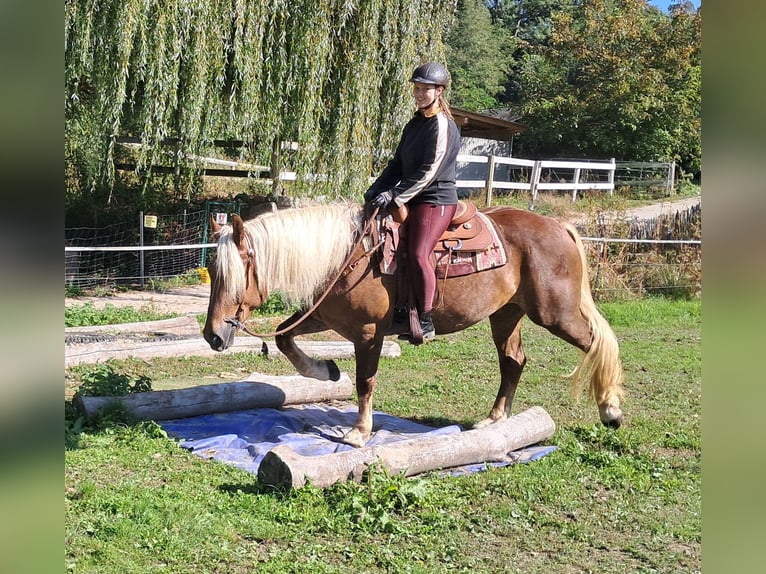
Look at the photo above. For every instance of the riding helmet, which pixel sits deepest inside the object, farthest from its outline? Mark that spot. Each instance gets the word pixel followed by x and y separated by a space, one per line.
pixel 430 73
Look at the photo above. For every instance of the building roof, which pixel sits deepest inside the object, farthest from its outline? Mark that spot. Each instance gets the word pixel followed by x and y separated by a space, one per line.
pixel 478 125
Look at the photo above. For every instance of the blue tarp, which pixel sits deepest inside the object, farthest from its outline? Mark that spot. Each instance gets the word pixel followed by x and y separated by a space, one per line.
pixel 243 438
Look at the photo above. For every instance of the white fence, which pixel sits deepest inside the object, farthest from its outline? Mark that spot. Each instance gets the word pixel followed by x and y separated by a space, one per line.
pixel 536 175
pixel 179 245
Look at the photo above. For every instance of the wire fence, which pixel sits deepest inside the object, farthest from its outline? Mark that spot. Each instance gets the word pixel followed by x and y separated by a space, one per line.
pixel 626 259
pixel 131 253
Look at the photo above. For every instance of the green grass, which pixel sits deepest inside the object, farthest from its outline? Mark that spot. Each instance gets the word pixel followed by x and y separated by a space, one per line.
pixel 88 314
pixel 605 501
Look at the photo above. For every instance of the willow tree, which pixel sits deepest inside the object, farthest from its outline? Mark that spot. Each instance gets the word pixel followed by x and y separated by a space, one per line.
pixel 328 74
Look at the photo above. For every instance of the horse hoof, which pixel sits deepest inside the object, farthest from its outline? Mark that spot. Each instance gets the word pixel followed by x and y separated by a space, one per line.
pixel 354 438
pixel 611 416
pixel 614 423
pixel 333 370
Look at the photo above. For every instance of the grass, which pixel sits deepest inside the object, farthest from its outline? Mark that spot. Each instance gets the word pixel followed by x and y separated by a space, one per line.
pixel 87 314
pixel 624 501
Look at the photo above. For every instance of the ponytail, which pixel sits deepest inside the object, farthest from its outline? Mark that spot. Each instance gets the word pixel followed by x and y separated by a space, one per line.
pixel 444 106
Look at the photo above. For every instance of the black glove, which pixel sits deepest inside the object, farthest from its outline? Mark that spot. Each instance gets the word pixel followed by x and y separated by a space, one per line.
pixel 382 200
pixel 370 194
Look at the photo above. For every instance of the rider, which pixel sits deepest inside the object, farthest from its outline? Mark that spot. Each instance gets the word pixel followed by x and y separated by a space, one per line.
pixel 422 175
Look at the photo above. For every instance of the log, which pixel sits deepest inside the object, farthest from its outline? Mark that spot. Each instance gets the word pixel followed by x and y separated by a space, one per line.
pixel 257 391
pixel 198 347
pixel 182 326
pixel 283 467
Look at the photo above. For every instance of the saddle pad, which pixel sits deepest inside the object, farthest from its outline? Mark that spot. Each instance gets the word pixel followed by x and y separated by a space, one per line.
pixel 453 263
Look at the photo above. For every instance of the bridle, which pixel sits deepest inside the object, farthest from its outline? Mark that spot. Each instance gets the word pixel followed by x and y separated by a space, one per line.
pixel 348 265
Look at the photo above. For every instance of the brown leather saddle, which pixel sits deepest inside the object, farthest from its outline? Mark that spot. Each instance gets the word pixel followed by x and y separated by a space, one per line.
pixel 469 244
pixel 467 231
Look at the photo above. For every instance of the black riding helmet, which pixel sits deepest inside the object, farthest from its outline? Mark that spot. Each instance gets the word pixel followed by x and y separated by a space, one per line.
pixel 430 73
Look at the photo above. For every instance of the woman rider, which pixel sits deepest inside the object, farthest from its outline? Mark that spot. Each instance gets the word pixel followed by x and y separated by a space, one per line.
pixel 422 175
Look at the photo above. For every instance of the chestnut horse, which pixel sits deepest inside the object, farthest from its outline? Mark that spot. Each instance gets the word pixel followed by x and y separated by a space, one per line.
pixel 298 252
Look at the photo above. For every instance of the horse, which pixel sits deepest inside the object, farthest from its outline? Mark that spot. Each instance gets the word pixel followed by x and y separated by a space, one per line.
pixel 304 253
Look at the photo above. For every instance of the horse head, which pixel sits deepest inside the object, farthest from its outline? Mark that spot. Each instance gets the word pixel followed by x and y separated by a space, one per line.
pixel 234 287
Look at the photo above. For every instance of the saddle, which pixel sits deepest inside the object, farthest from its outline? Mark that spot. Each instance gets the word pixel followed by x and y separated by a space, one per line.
pixel 470 243
pixel 467 231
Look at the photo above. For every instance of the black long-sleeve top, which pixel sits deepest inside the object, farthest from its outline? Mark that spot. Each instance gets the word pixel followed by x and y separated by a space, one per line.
pixel 423 167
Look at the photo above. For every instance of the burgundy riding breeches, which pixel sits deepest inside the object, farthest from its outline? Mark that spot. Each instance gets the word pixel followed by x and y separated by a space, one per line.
pixel 425 224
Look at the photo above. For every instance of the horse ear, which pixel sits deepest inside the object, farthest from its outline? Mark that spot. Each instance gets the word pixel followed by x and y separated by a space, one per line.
pixel 215 227
pixel 239 230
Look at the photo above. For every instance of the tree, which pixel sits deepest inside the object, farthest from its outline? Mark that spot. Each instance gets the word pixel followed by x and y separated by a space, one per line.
pixel 329 74
pixel 619 79
pixel 479 57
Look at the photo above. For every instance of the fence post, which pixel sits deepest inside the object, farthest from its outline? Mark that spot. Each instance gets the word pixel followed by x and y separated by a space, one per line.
pixel 670 185
pixel 490 178
pixel 141 244
pixel 536 170
pixel 611 177
pixel 576 181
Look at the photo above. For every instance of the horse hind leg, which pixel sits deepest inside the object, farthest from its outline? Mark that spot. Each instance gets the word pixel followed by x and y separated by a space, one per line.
pixel 564 306
pixel 601 365
pixel 601 362
pixel 506 333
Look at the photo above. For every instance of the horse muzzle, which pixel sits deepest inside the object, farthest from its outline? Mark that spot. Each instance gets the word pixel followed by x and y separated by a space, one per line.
pixel 220 338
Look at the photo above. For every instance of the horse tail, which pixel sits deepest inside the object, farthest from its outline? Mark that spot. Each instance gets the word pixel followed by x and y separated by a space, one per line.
pixel 601 364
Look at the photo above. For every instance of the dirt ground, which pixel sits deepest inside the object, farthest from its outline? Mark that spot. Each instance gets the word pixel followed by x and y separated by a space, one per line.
pixel 194 298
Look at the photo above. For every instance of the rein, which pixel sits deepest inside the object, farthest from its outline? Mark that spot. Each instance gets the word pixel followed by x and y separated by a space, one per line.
pixel 349 263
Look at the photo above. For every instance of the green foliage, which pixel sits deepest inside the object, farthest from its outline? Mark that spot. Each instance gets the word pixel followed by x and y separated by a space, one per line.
pixel 329 75
pixel 381 503
pixel 104 381
pixel 275 304
pixel 477 57
pixel 87 314
pixel 617 80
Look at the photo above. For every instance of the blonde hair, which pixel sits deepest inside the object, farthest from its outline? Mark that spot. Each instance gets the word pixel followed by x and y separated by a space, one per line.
pixel 445 106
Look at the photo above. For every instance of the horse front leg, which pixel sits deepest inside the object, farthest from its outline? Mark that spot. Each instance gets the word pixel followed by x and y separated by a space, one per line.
pixel 367 352
pixel 320 369
pixel 506 333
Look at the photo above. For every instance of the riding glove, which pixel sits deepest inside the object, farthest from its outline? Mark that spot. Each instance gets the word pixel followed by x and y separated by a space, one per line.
pixel 370 194
pixel 382 200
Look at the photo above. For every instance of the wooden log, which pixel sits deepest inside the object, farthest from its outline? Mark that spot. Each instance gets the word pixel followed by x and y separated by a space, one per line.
pixel 186 326
pixel 283 467
pixel 125 348
pixel 258 391
pixel 198 347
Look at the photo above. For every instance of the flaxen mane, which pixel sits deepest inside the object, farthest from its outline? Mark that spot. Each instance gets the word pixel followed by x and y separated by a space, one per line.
pixel 295 250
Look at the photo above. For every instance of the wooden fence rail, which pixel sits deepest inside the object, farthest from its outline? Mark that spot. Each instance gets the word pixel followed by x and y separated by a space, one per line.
pixel 540 175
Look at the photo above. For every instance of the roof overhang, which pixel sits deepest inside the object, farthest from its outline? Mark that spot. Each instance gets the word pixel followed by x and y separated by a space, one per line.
pixel 477 125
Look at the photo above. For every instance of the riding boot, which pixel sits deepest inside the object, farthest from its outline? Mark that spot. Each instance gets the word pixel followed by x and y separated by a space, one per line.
pixel 426 327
